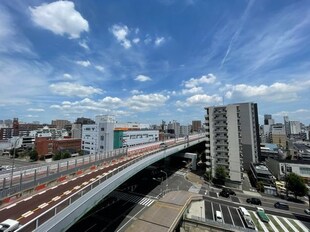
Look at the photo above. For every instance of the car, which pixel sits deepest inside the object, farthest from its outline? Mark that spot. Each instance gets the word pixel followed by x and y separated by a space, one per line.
pixel 254 201
pixel 224 194
pixel 281 205
pixel 9 225
pixel 307 211
pixel 229 191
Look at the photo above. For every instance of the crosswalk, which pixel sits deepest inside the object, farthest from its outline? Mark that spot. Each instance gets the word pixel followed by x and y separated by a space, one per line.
pixel 133 198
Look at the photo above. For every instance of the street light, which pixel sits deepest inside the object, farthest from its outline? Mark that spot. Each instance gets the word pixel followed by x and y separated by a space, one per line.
pixel 13 161
pixel 161 182
pixel 166 179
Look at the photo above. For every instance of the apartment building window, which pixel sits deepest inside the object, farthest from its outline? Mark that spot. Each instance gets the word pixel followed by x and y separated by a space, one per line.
pixel 102 137
pixel 304 170
pixel 101 147
pixel 102 129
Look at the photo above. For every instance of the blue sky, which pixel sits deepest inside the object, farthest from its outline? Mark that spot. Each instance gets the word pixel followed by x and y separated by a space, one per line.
pixel 145 61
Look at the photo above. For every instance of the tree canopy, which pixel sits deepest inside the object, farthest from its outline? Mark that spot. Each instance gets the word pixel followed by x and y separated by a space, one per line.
pixel 220 174
pixel 296 184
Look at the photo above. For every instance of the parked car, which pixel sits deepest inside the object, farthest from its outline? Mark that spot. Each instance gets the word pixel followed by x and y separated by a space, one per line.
pixel 307 211
pixel 224 194
pixel 281 205
pixel 229 191
pixel 9 225
pixel 254 201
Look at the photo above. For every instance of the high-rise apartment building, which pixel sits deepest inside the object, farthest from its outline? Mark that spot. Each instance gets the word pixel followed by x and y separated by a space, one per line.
pixel 295 127
pixel 233 143
pixel 278 135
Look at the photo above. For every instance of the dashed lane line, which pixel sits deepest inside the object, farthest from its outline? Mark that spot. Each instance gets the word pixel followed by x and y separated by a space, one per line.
pixel 10 206
pixel 27 214
pixel 67 192
pixel 42 192
pixel 56 198
pixel 43 205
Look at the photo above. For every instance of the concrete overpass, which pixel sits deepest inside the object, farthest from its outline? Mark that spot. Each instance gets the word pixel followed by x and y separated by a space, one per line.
pixel 75 207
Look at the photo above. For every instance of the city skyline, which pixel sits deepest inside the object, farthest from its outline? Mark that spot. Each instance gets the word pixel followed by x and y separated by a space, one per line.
pixel 152 61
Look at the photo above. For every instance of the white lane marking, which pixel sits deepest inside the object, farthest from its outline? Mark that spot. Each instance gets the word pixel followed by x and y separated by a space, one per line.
pixel 41 192
pixel 301 225
pixel 43 205
pixel 85 183
pixel 56 198
pixel 28 198
pixel 273 226
pixel 73 179
pixel 92 179
pixel 77 187
pixel 65 182
pixel 27 214
pixel 10 206
pixel 280 223
pixel 54 187
pixel 67 192
pixel 290 224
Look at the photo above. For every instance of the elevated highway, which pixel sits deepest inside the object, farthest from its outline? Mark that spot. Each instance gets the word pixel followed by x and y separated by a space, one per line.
pixel 52 210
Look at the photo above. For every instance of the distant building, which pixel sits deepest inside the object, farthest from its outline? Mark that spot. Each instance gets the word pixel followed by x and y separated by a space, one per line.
pixel 196 126
pixel 128 138
pixel 185 130
pixel 295 127
pixel 280 168
pixel 46 147
pixel 233 139
pixel 270 150
pixel 278 135
pixel 260 173
pixel 266 135
pixel 174 128
pixel 60 123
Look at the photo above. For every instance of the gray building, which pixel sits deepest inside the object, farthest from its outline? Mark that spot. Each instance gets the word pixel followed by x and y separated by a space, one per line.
pixel 233 134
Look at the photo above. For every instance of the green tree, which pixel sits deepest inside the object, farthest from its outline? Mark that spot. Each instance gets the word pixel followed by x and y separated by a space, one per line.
pixel 65 155
pixel 33 155
pixel 220 174
pixel 57 156
pixel 296 184
pixel 208 175
pixel 260 186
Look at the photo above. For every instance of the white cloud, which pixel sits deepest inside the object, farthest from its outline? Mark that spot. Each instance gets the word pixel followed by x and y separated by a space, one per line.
pixel 35 110
pixel 11 40
pixel 159 41
pixel 201 100
pixel 83 44
pixel 194 82
pixel 136 40
pixel 31 116
pixel 146 102
pixel 194 90
pixel 84 63
pixel 100 68
pixel 142 78
pixel 276 91
pixel 74 89
pixel 121 32
pixel 60 17
pixel 135 92
pixel 67 76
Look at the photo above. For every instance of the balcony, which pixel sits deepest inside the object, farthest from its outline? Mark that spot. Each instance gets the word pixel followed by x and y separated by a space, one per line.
pixel 222 150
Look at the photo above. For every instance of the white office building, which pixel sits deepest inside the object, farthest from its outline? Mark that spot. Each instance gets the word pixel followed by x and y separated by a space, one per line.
pixel 233 134
pixel 97 138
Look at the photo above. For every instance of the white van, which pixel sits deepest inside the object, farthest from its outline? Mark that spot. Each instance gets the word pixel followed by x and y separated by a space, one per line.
pixel 218 216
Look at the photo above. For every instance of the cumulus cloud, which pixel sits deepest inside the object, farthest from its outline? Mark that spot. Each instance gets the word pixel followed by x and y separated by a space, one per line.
pixel 194 82
pixel 142 78
pixel 146 102
pixel 200 99
pixel 35 110
pixel 74 89
pixel 84 63
pixel 59 17
pixel 276 91
pixel 159 41
pixel 121 32
pixel 194 90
